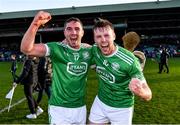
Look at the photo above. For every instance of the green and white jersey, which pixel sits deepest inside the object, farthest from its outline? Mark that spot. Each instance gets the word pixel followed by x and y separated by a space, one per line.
pixel 70 68
pixel 114 74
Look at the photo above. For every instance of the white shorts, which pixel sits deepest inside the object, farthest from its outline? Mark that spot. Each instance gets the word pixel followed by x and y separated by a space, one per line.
pixel 62 115
pixel 102 113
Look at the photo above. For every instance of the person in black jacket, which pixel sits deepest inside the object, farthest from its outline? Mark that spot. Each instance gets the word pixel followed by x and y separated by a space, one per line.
pixel 29 78
pixel 164 60
pixel 44 77
pixel 13 67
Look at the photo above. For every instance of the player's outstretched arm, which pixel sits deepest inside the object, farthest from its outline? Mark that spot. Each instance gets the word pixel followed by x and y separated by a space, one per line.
pixel 28 45
pixel 140 88
pixel 142 58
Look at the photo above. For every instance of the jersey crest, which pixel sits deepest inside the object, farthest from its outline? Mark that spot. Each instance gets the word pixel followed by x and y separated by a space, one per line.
pixel 115 66
pixel 86 55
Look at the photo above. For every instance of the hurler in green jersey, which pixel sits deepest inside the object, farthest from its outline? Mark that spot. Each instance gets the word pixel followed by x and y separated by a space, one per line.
pixel 115 72
pixel 69 74
pixel 119 76
pixel 70 62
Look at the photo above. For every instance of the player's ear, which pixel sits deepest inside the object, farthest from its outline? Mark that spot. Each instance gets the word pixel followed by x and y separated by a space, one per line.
pixel 82 32
pixel 114 36
pixel 64 32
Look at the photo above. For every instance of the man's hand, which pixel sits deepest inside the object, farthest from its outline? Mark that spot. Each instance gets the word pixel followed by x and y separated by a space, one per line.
pixel 135 86
pixel 14 84
pixel 41 18
pixel 140 89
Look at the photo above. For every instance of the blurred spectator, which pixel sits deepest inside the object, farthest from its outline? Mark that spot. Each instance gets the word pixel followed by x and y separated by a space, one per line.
pixel 44 77
pixel 29 79
pixel 14 67
pixel 164 60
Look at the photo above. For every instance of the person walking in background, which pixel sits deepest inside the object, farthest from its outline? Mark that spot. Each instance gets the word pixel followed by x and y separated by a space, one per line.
pixel 70 63
pixel 44 77
pixel 119 76
pixel 29 79
pixel 164 60
pixel 14 67
pixel 158 59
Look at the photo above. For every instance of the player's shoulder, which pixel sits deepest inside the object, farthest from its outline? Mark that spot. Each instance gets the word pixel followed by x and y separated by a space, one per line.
pixel 86 45
pixel 57 44
pixel 125 51
pixel 94 46
pixel 125 55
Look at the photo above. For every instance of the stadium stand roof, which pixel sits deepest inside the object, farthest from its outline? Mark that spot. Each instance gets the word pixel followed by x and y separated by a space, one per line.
pixel 147 18
pixel 96 9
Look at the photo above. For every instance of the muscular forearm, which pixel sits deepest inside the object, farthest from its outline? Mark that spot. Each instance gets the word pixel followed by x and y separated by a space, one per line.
pixel 28 45
pixel 28 40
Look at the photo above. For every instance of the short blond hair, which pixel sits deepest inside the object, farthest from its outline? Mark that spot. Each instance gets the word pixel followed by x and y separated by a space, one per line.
pixel 131 40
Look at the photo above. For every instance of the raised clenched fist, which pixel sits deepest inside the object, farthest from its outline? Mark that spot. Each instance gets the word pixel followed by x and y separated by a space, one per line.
pixel 41 18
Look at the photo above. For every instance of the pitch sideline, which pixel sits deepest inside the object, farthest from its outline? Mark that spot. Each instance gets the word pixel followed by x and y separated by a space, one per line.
pixel 18 102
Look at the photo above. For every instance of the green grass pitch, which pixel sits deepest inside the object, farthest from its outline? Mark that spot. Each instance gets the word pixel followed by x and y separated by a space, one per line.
pixel 164 108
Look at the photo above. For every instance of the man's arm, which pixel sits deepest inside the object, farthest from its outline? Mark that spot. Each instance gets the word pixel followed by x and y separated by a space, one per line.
pixel 142 58
pixel 28 45
pixel 140 88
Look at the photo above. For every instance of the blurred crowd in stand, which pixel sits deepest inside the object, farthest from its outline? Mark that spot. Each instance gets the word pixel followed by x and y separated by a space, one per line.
pixel 5 55
pixel 149 50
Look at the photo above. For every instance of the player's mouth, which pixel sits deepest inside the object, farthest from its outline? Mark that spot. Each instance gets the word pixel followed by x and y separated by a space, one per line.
pixel 104 45
pixel 74 42
pixel 73 39
pixel 105 49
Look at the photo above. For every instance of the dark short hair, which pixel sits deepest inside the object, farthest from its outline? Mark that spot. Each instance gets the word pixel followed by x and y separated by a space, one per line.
pixel 99 23
pixel 75 19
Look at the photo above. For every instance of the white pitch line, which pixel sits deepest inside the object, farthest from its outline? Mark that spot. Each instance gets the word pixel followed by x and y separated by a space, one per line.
pixel 18 102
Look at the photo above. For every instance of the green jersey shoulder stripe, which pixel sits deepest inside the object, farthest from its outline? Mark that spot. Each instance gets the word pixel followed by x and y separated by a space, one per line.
pixel 124 55
pixel 62 44
pixel 124 58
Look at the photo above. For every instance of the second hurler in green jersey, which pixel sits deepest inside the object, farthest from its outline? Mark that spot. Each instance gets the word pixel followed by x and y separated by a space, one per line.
pixel 70 68
pixel 115 72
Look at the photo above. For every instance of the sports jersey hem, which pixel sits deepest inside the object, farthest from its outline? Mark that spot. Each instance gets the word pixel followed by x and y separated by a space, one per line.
pixel 67 106
pixel 127 106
